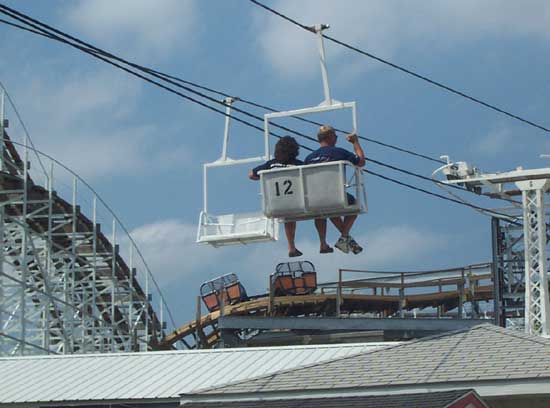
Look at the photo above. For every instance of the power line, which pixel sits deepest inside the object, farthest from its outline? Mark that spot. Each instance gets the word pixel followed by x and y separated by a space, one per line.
pixel 104 56
pixel 484 210
pixel 94 51
pixel 272 109
pixel 91 48
pixel 406 70
pixel 100 56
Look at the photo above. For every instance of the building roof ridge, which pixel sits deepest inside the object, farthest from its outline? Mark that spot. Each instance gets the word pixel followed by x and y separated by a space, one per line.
pixel 192 352
pixel 369 352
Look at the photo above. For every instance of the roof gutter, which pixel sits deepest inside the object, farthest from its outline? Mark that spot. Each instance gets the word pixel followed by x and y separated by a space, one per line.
pixel 493 388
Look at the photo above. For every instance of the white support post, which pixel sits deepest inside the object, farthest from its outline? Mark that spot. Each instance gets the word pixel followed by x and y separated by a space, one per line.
pixel 228 102
pixel 161 307
pixel 24 244
pixel 98 342
pixel 537 306
pixel 266 137
pixel 73 277
pixel 354 116
pixel 147 305
pixel 131 298
pixel 2 299
pixel 114 285
pixel 205 189
pixel 49 262
pixel 320 43
pixel 2 117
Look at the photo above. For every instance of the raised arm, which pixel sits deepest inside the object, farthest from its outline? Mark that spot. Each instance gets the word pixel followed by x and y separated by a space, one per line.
pixel 354 140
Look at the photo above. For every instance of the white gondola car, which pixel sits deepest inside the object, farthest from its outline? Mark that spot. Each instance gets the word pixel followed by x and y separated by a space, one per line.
pixel 288 194
pixel 232 229
pixel 318 190
pixel 313 191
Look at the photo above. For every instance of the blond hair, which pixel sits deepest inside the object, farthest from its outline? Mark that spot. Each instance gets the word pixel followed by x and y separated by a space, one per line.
pixel 325 132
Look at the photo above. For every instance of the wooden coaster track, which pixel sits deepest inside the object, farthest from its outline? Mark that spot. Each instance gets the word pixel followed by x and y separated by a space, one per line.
pixel 447 291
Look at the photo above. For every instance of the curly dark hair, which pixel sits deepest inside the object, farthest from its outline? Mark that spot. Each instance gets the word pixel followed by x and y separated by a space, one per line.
pixel 286 150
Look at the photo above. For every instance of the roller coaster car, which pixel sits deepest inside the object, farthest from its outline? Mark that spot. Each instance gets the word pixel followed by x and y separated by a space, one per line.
pixel 294 278
pixel 226 288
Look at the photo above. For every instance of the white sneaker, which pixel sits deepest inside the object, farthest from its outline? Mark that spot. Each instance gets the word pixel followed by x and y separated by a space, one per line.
pixel 343 244
pixel 354 246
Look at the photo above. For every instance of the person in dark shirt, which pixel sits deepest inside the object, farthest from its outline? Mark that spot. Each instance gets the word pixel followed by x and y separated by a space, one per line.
pixel 326 153
pixel 286 153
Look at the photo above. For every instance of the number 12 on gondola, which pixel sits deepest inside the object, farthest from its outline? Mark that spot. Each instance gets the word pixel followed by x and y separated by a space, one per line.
pixel 286 188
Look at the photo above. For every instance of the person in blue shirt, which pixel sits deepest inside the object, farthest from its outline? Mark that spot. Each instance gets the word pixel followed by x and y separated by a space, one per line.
pixel 326 153
pixel 286 153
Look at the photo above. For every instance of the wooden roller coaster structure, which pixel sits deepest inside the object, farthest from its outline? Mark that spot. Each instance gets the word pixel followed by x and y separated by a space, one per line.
pixel 453 293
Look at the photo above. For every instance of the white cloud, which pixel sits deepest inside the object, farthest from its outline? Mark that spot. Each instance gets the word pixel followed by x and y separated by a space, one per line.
pixel 169 247
pixel 64 100
pixel 396 246
pixel 87 122
pixel 496 142
pixel 83 121
pixel 383 27
pixel 143 27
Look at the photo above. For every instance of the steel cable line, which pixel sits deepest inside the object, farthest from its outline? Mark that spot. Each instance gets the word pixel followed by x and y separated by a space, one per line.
pixel 271 109
pixel 102 55
pixel 171 77
pixel 103 58
pixel 405 70
pixel 509 218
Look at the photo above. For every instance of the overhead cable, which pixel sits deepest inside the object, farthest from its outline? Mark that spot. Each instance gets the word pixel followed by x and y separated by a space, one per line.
pixel 406 70
pixel 104 56
pixel 509 218
pixel 171 77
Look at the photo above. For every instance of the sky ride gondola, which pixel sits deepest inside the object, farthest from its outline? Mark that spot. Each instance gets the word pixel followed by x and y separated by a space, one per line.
pixel 316 190
pixel 292 193
pixel 238 228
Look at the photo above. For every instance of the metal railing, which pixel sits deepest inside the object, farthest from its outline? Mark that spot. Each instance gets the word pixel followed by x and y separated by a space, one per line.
pixel 465 281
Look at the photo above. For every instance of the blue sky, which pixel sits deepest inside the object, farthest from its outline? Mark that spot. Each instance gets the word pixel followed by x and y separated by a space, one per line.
pixel 143 148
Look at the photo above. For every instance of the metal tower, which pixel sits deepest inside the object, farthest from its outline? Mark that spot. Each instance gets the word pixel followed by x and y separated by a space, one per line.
pixel 531 185
pixel 64 286
pixel 509 272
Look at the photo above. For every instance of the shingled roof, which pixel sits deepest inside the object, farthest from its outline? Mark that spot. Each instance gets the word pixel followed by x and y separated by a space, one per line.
pixel 419 400
pixel 482 353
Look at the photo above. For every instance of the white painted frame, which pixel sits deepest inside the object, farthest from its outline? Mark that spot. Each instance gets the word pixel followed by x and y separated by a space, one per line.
pixel 270 228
